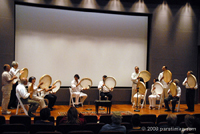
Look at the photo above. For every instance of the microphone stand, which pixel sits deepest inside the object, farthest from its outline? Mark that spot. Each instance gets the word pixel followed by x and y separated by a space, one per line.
pixel 137 110
pixel 89 109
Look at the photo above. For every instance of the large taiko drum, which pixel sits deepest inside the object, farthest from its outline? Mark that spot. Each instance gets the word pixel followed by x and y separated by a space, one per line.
pixel 173 89
pixel 110 82
pixel 141 87
pixel 158 88
pixel 86 83
pixel 46 80
pixel 191 80
pixel 57 83
pixel 24 74
pixel 167 76
pixel 145 75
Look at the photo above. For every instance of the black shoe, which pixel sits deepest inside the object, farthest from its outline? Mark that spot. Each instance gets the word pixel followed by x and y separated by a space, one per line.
pixel 31 115
pixel 167 110
pixel 11 108
pixel 51 109
pixel 191 110
pixel 187 109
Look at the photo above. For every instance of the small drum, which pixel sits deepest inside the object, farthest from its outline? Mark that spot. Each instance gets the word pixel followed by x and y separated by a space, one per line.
pixel 158 87
pixel 24 74
pixel 46 79
pixel 57 83
pixel 110 82
pixel 17 74
pixel 191 80
pixel 145 75
pixel 173 88
pixel 86 83
pixel 142 87
pixel 167 76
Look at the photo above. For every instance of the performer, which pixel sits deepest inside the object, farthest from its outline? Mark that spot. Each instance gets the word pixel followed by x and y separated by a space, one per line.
pixel 153 96
pixel 34 95
pixel 165 85
pixel 134 79
pixel 48 94
pixel 13 99
pixel 6 88
pixel 173 98
pixel 21 90
pixel 104 90
pixel 190 94
pixel 137 95
pixel 76 89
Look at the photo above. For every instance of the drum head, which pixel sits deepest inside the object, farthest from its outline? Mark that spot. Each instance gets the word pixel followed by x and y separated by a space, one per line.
pixel 46 79
pixel 191 80
pixel 110 82
pixel 142 87
pixel 145 75
pixel 24 74
pixel 86 83
pixel 17 74
pixel 167 76
pixel 158 87
pixel 57 83
pixel 173 88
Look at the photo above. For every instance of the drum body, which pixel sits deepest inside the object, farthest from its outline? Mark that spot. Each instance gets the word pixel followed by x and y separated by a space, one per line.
pixel 158 87
pixel 86 83
pixel 110 82
pixel 24 74
pixel 167 76
pixel 46 79
pixel 191 80
pixel 57 83
pixel 141 87
pixel 145 75
pixel 173 89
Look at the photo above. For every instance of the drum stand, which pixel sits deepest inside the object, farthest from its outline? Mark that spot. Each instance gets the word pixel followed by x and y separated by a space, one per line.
pixel 137 110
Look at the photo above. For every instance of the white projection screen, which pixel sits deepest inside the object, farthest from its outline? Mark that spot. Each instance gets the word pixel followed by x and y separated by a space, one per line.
pixel 64 42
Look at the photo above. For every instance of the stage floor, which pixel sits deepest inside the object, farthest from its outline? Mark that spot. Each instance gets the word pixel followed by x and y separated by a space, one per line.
pixel 125 107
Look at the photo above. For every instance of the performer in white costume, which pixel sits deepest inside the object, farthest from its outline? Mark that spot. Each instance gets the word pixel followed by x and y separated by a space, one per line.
pixel 138 96
pixel 76 89
pixel 134 79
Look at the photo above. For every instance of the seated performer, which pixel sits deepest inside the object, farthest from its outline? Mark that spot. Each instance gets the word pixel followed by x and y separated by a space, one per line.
pixel 153 96
pixel 76 89
pixel 173 98
pixel 48 94
pixel 34 95
pixel 21 90
pixel 137 95
pixel 104 90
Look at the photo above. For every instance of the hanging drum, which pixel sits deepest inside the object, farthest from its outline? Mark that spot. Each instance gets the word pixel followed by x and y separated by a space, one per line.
pixel 86 83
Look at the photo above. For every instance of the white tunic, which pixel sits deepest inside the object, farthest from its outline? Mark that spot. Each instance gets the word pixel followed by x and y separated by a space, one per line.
pixel 105 89
pixel 165 85
pixel 134 77
pixel 21 90
pixel 74 88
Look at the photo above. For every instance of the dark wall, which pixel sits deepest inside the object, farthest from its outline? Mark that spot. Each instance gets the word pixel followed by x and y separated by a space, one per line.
pixel 174 38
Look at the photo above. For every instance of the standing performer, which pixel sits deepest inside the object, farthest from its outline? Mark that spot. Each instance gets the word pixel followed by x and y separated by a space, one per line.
pixel 153 96
pixel 173 98
pixel 13 99
pixel 134 79
pixel 104 90
pixel 24 96
pixel 34 95
pixel 76 89
pixel 190 94
pixel 6 88
pixel 165 85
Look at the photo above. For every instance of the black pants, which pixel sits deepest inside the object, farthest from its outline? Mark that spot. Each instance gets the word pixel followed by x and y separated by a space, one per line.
pixel 108 94
pixel 174 100
pixel 52 99
pixel 13 97
pixel 190 95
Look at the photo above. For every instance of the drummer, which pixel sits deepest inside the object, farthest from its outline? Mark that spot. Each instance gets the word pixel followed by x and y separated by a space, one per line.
pixel 190 93
pixel 153 96
pixel 104 90
pixel 165 85
pixel 134 79
pixel 76 89
pixel 13 99
pixel 173 98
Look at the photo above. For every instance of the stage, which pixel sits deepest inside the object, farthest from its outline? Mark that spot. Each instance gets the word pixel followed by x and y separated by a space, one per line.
pixel 61 109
